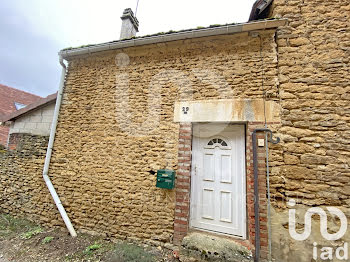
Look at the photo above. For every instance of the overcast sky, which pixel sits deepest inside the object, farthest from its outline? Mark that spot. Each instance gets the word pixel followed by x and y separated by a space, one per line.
pixel 32 32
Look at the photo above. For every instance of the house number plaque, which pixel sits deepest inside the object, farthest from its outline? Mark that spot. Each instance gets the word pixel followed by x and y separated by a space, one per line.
pixel 185 109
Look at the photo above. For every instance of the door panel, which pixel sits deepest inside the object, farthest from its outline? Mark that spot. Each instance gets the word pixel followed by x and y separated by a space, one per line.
pixel 209 167
pixel 208 209
pixel 225 168
pixel 218 179
pixel 226 206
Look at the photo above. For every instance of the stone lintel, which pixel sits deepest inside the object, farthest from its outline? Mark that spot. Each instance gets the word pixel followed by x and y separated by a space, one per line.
pixel 232 110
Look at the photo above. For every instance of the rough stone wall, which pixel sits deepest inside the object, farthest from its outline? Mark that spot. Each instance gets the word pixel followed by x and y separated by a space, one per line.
pixel 23 190
pixel 311 164
pixel 114 132
pixel 37 122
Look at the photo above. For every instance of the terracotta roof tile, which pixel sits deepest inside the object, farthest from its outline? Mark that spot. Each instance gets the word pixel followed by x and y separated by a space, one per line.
pixel 37 104
pixel 8 97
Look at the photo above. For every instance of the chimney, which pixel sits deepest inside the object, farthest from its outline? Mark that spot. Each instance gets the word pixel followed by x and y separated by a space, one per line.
pixel 130 24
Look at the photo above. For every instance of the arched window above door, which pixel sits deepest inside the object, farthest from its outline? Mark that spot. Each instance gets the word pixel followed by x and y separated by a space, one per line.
pixel 217 142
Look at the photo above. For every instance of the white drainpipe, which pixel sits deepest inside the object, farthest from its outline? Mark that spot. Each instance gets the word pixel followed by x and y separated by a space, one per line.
pixel 49 153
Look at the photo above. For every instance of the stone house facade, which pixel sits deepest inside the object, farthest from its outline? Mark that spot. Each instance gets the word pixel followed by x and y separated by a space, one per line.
pixel 129 124
pixel 190 102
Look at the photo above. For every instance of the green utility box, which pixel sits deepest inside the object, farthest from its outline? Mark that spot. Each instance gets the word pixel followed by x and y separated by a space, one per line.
pixel 165 179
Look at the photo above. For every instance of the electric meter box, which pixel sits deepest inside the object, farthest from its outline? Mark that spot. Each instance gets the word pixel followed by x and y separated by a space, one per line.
pixel 165 179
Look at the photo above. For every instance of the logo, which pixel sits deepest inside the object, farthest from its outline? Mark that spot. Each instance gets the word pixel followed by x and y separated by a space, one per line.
pixel 341 253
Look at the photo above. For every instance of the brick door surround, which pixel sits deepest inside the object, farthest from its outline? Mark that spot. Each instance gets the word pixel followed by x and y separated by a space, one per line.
pixel 183 187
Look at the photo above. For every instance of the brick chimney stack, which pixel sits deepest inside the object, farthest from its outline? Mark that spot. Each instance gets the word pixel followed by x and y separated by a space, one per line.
pixel 130 24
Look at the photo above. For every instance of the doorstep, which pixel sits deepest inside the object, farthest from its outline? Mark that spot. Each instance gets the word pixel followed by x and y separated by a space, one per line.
pixel 206 247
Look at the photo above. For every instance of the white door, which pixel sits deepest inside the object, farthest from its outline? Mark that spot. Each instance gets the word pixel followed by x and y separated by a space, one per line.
pixel 218 201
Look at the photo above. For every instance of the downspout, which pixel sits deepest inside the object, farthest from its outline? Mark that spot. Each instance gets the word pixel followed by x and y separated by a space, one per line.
pixel 269 231
pixel 256 188
pixel 49 153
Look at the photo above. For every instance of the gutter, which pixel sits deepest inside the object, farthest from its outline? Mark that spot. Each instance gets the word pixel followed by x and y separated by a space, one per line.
pixel 49 153
pixel 222 30
pixel 256 188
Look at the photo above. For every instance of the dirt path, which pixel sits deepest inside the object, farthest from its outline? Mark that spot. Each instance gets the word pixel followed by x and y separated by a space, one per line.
pixel 23 241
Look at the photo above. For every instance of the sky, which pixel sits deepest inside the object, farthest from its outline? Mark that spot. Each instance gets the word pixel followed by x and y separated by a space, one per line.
pixel 32 32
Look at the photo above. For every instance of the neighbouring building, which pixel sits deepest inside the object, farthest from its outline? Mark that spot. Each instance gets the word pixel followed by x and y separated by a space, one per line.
pixel 190 102
pixel 11 100
pixel 34 119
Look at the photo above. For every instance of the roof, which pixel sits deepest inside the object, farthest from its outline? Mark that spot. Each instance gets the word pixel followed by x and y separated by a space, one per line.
pixel 36 105
pixel 9 96
pixel 260 10
pixel 212 30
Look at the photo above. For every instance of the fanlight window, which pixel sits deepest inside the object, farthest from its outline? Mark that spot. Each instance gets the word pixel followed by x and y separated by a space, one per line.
pixel 217 142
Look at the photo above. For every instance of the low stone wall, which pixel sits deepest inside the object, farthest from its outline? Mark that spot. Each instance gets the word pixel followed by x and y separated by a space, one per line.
pixel 23 191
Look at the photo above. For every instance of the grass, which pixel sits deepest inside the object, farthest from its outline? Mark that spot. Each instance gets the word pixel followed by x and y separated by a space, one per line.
pixel 122 252
pixel 47 240
pixel 10 225
pixel 132 253
pixel 92 251
pixel 31 233
pixel 89 248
